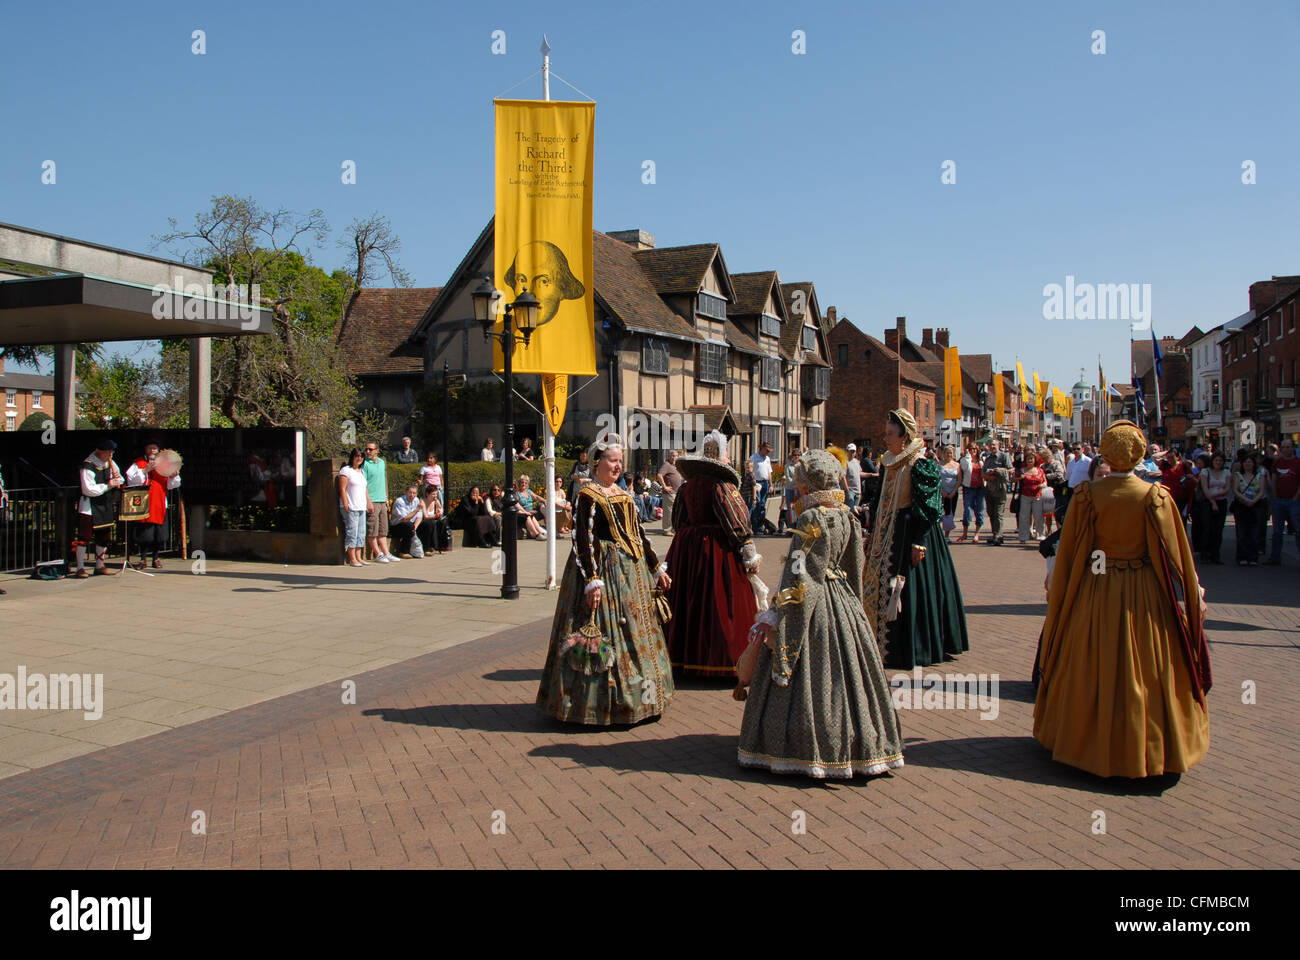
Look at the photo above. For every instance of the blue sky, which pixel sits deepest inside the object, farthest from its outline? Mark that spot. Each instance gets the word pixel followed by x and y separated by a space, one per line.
pixel 1115 168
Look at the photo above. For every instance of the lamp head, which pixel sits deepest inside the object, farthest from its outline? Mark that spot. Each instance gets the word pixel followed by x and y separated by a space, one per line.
pixel 483 295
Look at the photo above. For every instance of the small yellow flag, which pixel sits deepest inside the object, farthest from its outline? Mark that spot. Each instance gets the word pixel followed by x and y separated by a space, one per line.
pixel 951 385
pixel 999 401
pixel 555 395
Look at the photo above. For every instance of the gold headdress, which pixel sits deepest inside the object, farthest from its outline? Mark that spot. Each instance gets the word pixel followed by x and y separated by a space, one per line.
pixel 907 421
pixel 1123 445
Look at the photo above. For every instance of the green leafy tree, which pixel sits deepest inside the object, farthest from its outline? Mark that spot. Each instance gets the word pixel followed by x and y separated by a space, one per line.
pixel 119 392
pixel 297 377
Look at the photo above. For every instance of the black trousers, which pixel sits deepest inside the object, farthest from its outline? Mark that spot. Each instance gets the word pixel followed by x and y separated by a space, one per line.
pixel 1214 520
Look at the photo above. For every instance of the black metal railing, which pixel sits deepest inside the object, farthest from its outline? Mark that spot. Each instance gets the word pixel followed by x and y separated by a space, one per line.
pixel 38 524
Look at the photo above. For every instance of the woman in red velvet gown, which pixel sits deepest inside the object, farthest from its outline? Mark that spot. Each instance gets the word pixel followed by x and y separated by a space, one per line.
pixel 712 596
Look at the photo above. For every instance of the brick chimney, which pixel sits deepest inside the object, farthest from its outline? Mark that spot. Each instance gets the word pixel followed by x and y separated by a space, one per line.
pixel 896 336
pixel 941 338
pixel 927 338
pixel 830 317
pixel 636 239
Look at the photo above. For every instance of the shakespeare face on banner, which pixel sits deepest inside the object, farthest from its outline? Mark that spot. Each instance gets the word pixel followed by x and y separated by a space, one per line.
pixel 542 268
pixel 542 236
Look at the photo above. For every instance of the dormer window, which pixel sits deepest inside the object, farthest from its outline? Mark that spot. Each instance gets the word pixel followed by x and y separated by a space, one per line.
pixel 810 338
pixel 711 305
pixel 769 326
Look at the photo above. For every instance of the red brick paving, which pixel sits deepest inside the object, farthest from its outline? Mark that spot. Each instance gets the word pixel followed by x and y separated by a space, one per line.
pixel 412 775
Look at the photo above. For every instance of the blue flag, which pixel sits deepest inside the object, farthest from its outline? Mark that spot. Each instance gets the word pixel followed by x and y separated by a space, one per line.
pixel 1155 351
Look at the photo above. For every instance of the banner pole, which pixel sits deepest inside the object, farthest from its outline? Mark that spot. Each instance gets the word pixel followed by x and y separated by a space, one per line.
pixel 549 448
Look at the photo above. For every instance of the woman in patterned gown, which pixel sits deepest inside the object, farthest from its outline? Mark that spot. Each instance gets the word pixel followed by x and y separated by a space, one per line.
pixel 1124 667
pixel 819 703
pixel 607 662
pixel 710 560
pixel 910 591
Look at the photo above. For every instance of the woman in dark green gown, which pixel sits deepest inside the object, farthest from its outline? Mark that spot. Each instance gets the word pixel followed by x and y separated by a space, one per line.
pixel 920 620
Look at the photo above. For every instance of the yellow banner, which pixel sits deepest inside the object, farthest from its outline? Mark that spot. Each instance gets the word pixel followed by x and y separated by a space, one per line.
pixel 544 173
pixel 951 384
pixel 999 400
pixel 1025 399
pixel 555 395
pixel 1042 390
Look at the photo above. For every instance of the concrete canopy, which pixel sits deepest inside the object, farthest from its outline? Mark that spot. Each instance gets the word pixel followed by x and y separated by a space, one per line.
pixel 83 308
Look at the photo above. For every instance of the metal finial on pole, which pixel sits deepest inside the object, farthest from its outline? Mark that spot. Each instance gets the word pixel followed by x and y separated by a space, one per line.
pixel 546 69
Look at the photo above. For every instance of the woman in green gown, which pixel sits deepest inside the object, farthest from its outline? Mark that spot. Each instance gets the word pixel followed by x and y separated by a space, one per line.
pixel 607 662
pixel 818 702
pixel 910 592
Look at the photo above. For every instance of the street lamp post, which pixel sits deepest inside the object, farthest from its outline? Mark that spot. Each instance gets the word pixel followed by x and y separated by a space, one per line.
pixel 525 310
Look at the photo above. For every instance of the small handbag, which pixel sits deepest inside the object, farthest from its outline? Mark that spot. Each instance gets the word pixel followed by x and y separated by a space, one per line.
pixel 948 522
pixel 662 606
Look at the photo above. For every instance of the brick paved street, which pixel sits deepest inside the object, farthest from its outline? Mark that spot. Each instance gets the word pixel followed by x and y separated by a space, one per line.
pixel 440 740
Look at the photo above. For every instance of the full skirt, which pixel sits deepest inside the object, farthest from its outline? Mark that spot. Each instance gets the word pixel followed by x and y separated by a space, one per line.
pixel 836 717
pixel 1120 700
pixel 931 622
pixel 639 682
pixel 712 601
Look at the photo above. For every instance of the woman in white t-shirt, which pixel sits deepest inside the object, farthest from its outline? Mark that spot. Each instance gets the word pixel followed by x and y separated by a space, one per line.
pixel 354 504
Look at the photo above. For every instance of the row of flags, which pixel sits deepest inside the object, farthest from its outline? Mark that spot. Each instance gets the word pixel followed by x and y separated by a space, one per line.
pixel 1043 397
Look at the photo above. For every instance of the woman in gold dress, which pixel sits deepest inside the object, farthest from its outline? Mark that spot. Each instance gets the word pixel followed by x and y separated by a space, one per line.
pixel 1124 667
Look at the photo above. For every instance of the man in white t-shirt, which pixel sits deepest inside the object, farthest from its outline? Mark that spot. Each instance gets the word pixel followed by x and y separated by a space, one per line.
pixel 1076 471
pixel 762 461
pixel 852 478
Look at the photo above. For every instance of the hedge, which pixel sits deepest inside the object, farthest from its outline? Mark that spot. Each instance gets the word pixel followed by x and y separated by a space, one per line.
pixel 475 473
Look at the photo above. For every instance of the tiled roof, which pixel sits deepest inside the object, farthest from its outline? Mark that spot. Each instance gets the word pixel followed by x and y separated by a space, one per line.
pixel 792 329
pixel 380 319
pixel 931 371
pixel 626 292
pixel 741 341
pixel 752 290
pixel 979 366
pixel 913 352
pixel 913 373
pixel 678 270
pixel 716 417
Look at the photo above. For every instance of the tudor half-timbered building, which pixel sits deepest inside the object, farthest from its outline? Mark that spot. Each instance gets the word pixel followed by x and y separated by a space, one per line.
pixel 683 347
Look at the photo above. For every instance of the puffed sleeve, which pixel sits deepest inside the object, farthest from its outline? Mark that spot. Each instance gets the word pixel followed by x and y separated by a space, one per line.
pixel 925 490
pixel 802 581
pixel 733 517
pixel 584 540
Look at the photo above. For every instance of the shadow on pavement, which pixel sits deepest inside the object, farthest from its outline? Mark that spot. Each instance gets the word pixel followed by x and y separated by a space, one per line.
pixel 1009 609
pixel 693 754
pixel 510 676
pixel 1026 760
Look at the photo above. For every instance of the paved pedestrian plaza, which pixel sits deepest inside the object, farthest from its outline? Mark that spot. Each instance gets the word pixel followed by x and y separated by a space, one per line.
pixel 224 709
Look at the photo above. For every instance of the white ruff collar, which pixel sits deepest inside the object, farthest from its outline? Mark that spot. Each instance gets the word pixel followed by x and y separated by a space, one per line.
pixel 908 452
